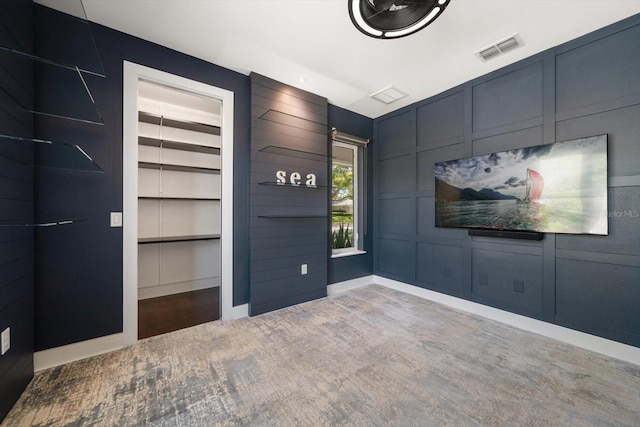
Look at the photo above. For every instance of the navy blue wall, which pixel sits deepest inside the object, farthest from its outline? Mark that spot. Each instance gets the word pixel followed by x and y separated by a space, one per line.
pixel 354 266
pixel 16 201
pixel 587 87
pixel 79 267
pixel 283 236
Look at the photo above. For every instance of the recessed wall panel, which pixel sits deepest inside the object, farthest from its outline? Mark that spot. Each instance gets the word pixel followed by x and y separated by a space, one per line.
pixel 394 216
pixel 440 267
pixel 394 257
pixel 508 280
pixel 395 134
pixel 439 121
pixel 605 69
pixel 507 99
pixel 395 174
pixel 598 298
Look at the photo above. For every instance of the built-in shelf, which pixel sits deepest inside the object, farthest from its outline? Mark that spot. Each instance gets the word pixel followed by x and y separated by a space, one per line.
pixel 40 224
pixel 292 152
pixel 156 119
pixel 206 199
pixel 292 216
pixel 175 239
pixel 58 155
pixel 288 184
pixel 175 145
pixel 178 168
pixel 294 121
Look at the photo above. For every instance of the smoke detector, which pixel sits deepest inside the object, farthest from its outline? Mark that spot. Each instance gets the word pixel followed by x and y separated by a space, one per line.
pixel 500 47
pixel 388 95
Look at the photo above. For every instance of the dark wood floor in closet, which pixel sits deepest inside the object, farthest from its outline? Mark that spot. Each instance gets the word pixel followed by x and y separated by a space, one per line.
pixel 172 312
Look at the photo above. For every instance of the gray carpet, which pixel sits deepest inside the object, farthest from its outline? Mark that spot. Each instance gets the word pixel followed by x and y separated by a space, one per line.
pixel 367 357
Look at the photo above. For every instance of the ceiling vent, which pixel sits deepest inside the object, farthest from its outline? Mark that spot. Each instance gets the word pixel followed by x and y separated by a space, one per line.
pixel 388 95
pixel 502 46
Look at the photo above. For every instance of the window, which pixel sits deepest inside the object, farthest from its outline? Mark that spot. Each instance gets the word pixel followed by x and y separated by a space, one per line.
pixel 346 194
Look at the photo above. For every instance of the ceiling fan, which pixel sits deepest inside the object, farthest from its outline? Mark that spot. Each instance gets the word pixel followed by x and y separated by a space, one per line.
pixel 389 19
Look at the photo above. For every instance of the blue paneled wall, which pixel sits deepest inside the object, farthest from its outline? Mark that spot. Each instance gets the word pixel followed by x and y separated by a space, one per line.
pixel 590 86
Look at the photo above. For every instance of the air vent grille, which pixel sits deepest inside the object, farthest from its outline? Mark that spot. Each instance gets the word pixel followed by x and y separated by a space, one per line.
pixel 388 95
pixel 501 46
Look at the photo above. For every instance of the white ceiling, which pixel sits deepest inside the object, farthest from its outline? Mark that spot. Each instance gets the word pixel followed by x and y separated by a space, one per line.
pixel 314 40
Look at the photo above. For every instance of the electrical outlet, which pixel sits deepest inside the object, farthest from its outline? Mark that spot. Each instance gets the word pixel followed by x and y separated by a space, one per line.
pixel 6 340
pixel 303 269
pixel 116 219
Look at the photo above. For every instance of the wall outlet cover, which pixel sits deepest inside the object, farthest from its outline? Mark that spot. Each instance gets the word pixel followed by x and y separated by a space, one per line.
pixel 303 269
pixel 6 340
pixel 116 219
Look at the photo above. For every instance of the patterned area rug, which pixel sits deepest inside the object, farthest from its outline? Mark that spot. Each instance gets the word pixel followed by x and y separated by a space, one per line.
pixel 370 356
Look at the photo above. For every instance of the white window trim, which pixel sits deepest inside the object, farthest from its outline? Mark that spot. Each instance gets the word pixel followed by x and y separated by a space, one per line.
pixel 347 252
pixel 355 249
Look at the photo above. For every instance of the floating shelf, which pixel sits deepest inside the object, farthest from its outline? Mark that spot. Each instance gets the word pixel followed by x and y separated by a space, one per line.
pixel 292 216
pixel 175 145
pixel 288 184
pixel 206 199
pixel 58 155
pixel 291 152
pixel 40 224
pixel 294 121
pixel 178 168
pixel 175 239
pixel 156 119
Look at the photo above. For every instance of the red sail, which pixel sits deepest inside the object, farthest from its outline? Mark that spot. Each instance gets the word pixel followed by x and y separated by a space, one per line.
pixel 537 184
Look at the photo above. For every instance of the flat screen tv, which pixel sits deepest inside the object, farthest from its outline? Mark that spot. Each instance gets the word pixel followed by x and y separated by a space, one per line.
pixel 554 188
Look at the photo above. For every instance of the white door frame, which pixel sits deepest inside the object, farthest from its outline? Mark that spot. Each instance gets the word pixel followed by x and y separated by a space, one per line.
pixel 133 73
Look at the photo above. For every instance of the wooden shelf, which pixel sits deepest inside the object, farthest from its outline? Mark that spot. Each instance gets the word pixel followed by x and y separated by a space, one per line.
pixel 156 119
pixel 178 168
pixel 175 145
pixel 205 199
pixel 175 239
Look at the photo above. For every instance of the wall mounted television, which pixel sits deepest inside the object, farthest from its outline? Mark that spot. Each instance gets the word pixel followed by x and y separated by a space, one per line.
pixel 554 188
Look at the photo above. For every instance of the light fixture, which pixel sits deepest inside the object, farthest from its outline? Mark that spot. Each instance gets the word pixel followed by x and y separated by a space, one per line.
pixel 390 19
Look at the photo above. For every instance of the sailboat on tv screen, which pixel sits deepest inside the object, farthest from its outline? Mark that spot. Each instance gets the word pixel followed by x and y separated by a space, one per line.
pixel 535 184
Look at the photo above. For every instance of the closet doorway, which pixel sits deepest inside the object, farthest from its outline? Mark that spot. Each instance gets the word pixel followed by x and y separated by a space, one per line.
pixel 177 203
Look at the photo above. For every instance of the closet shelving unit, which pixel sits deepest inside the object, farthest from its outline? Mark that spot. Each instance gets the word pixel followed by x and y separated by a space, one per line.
pixel 179 191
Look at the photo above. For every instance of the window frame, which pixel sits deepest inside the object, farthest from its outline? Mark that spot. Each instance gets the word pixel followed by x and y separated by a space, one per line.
pixel 359 147
pixel 356 199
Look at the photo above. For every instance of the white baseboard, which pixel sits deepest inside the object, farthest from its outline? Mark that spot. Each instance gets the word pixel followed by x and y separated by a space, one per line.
pixel 593 343
pixel 57 356
pixel 237 312
pixel 349 284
